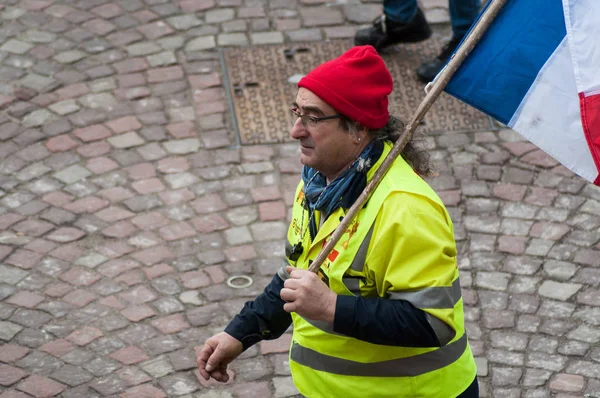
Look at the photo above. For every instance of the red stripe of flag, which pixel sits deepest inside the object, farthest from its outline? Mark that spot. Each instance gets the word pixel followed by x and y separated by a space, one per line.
pixel 590 119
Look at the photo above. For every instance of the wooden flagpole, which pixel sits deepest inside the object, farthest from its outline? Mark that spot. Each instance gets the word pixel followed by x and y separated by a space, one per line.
pixel 433 91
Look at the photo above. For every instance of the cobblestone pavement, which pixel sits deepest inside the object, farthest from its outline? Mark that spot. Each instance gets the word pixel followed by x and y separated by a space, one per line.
pixel 125 206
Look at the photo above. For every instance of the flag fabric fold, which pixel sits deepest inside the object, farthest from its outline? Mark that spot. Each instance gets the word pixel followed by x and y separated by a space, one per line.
pixel 537 70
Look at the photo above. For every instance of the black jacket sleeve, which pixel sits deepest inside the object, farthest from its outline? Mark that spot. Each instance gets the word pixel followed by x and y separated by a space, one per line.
pixel 375 320
pixel 383 321
pixel 261 319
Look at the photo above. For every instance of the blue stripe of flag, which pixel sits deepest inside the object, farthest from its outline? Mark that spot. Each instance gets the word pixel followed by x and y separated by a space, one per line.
pixel 502 67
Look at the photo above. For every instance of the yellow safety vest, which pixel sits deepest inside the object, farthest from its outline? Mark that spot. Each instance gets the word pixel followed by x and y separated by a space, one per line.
pixel 401 247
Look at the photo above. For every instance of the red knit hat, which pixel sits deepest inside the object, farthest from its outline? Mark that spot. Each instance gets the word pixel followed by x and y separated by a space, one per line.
pixel 356 84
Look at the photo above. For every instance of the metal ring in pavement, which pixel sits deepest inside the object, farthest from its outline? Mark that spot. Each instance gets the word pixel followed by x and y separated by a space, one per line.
pixel 247 281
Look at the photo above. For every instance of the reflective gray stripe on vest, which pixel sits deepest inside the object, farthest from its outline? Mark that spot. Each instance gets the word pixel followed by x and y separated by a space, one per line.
pixel 442 330
pixel 431 297
pixel 323 326
pixel 358 264
pixel 288 248
pixel 282 272
pixel 353 284
pixel 401 367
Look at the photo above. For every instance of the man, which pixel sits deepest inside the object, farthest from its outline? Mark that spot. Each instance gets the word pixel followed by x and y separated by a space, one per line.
pixel 384 317
pixel 403 22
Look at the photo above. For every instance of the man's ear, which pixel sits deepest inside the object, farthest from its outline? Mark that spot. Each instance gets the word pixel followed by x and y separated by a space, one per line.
pixel 361 135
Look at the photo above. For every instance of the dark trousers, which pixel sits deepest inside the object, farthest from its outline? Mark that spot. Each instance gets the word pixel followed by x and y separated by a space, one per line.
pixel 472 391
pixel 462 13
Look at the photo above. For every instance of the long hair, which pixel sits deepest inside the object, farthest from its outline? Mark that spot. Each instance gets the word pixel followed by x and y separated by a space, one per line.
pixel 415 153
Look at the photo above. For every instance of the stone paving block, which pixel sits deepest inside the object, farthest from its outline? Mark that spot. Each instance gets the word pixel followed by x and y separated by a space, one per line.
pixel 8 330
pixel 72 174
pixel 201 43
pixel 148 186
pixel 171 43
pixel 12 275
pixel 107 11
pixel 284 387
pixel 64 107
pixel 72 375
pixel 37 118
pixel 215 139
pixel 40 386
pixel 180 114
pixel 145 390
pixel 170 324
pixel 362 13
pixel 176 231
pixel 165 74
pixel 586 334
pixel 127 140
pixel 320 16
pixel 232 39
pixel 68 252
pixel 559 291
pixel 79 297
pixel 583 368
pixel 92 133
pixel 69 57
pixel 34 171
pixel 180 180
pixel 23 259
pixel 60 143
pixel 57 348
pixel 157 367
pixel 104 101
pixel 182 147
pixel 176 197
pixel 182 130
pixel 15 46
pixel 164 58
pixel 200 82
pixel 178 384
pixel 302 35
pixel 12 352
pixel 66 234
pixel 155 30
pixel 85 335
pixel 129 355
pixel 142 49
pixel 120 230
pixel 109 385
pixel 567 382
pixel 10 375
pixel 268 230
pixel 99 26
pixel 124 124
pixel 101 165
pixel 25 299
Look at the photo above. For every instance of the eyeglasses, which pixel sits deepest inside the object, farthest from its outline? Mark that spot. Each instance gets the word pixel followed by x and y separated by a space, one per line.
pixel 310 121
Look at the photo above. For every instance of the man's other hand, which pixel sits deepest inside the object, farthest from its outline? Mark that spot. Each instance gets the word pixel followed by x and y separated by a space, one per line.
pixel 216 353
pixel 306 294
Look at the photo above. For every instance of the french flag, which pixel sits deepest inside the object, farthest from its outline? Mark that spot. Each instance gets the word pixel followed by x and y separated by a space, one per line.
pixel 537 70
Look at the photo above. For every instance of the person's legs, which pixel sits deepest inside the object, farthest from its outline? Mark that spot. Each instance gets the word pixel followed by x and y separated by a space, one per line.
pixel 462 15
pixel 472 391
pixel 402 22
pixel 400 11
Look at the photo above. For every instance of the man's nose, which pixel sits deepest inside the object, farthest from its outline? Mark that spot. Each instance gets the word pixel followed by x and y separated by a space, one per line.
pixel 298 131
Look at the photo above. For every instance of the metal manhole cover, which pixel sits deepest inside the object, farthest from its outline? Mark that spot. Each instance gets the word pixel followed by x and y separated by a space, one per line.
pixel 261 94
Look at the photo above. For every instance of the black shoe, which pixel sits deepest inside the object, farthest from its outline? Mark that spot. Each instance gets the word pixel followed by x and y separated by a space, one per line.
pixel 429 70
pixel 384 32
